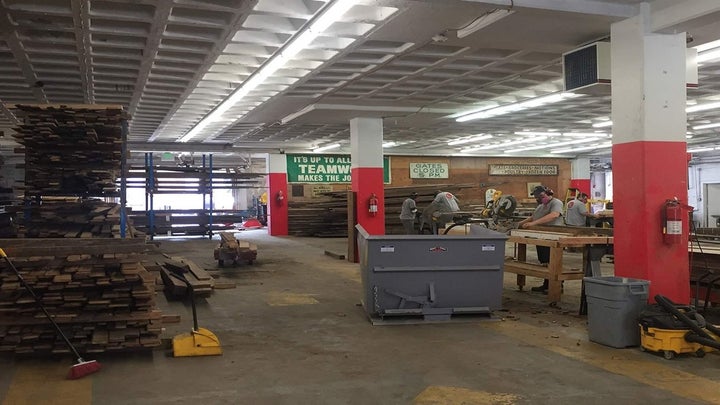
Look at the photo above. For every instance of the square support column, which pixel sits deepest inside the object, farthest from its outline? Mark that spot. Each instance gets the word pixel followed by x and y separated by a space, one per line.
pixel 277 195
pixel 366 139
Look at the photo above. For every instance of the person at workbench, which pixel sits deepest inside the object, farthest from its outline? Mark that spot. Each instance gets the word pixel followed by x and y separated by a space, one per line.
pixel 577 213
pixel 548 212
pixel 407 214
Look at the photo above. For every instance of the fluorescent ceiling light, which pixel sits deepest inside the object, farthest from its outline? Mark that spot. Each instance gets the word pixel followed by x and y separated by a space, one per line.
pixel 602 124
pixel 483 21
pixel 553 145
pixel 592 134
pixel 326 147
pixel 703 107
pixel 707 126
pixel 523 105
pixel 504 144
pixel 532 133
pixel 469 139
pixel 582 148
pixel 708 56
pixel 707 46
pixel 389 144
pixel 688 136
pixel 696 150
pixel 331 13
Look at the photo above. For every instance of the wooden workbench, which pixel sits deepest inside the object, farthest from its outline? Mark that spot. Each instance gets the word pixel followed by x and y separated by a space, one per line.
pixel 555 272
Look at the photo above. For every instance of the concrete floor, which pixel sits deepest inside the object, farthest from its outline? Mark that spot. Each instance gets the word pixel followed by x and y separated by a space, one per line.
pixel 293 332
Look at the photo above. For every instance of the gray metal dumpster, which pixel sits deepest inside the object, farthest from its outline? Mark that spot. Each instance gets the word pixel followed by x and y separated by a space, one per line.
pixel 432 276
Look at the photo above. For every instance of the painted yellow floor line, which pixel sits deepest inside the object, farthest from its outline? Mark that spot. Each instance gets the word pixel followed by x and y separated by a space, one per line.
pixel 442 395
pixel 45 383
pixel 629 364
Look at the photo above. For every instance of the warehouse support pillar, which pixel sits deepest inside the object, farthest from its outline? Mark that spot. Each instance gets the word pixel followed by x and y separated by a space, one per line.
pixel 366 139
pixel 580 174
pixel 277 195
pixel 649 153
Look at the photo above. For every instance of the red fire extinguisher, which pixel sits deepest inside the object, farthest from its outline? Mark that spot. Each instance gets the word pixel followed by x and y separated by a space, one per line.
pixel 673 212
pixel 373 204
pixel 280 198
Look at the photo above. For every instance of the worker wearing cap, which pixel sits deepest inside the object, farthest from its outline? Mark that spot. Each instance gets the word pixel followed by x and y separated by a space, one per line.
pixel 407 214
pixel 577 213
pixel 548 212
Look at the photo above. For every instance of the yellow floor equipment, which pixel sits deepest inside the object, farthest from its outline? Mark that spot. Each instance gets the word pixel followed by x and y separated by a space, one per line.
pixel 670 342
pixel 200 341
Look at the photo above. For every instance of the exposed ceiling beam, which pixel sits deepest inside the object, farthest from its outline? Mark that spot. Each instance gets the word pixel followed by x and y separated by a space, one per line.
pixel 21 57
pixel 162 13
pixel 199 147
pixel 81 23
pixel 681 12
pixel 238 18
pixel 572 6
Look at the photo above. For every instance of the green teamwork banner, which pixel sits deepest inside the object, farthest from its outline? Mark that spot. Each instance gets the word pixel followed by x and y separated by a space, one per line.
pixel 325 169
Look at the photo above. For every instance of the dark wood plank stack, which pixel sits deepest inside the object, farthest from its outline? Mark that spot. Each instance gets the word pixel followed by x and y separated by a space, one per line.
pixel 201 282
pixel 71 149
pixel 327 217
pixel 71 219
pixel 231 249
pixel 99 293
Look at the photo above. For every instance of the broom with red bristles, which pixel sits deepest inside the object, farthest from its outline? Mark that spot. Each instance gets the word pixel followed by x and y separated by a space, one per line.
pixel 82 367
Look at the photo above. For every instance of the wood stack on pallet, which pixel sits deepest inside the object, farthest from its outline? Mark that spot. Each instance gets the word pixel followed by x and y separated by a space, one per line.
pixel 99 293
pixel 327 217
pixel 234 250
pixel 72 218
pixel 71 149
pixel 199 280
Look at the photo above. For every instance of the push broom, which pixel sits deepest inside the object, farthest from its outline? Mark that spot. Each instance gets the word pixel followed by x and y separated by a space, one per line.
pixel 82 367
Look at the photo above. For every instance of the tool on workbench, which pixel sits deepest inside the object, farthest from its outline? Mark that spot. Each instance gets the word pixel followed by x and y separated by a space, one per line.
pixel 82 367
pixel 200 341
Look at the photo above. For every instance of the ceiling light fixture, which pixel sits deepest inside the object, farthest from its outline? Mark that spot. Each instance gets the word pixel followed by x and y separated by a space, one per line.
pixel 468 139
pixel 706 126
pixel 330 13
pixel 703 107
pixel 696 150
pixel 553 145
pixel 523 105
pixel 533 133
pixel 602 124
pixel 504 144
pixel 389 144
pixel 598 146
pixel 483 21
pixel 326 147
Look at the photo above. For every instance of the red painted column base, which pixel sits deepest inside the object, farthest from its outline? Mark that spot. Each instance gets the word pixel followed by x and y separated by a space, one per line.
pixel 277 208
pixel 647 174
pixel 365 181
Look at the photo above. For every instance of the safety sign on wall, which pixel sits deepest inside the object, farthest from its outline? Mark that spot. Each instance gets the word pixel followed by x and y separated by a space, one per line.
pixel 325 169
pixel 428 170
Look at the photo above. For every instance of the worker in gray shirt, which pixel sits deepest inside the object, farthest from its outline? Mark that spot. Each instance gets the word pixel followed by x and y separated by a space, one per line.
pixel 548 212
pixel 407 214
pixel 577 213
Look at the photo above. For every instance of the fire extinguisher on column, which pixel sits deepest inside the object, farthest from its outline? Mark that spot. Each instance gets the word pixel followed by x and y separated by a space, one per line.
pixel 373 204
pixel 280 198
pixel 672 213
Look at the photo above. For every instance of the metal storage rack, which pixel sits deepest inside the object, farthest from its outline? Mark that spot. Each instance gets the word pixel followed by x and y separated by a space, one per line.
pixel 161 179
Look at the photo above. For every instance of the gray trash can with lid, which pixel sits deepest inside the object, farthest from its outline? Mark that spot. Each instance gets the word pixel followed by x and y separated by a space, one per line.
pixel 614 304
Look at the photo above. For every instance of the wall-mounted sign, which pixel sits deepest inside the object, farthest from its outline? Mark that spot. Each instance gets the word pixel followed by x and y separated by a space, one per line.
pixel 321 188
pixel 428 170
pixel 324 169
pixel 523 170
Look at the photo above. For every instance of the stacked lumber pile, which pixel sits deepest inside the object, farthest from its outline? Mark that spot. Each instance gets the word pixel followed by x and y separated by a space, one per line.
pixel 72 218
pixel 199 280
pixel 235 250
pixel 71 149
pixel 327 217
pixel 99 293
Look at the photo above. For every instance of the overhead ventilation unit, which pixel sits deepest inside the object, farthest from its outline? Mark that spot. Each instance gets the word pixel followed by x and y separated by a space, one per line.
pixel 587 70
